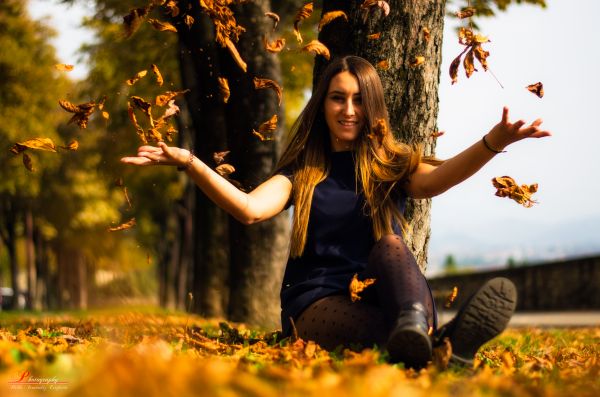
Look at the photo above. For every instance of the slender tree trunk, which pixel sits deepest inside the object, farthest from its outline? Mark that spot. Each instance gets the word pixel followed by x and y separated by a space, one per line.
pixel 42 271
pixel 30 260
pixel 11 246
pixel 411 91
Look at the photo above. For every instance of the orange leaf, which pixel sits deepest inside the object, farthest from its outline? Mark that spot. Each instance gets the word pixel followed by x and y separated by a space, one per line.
pixel 451 297
pixel 172 8
pixel 465 13
pixel 260 84
pixel 189 21
pixel 236 55
pixel 139 75
pixel 268 127
pixel 124 226
pixel 537 89
pixel 224 88
pixel 383 65
pixel 481 55
pixel 507 187
pixel 469 64
pixel 225 170
pixel 73 145
pixel 302 14
pixel 274 17
pixel 437 134
pixel 274 46
pixel 63 68
pixel 219 157
pixel 317 48
pixel 374 36
pixel 163 99
pixel 159 78
pixel 162 26
pixel 330 16
pixel 356 286
pixel 426 33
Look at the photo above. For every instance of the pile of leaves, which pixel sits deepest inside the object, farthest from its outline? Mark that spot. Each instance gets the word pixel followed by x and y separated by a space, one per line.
pixel 158 354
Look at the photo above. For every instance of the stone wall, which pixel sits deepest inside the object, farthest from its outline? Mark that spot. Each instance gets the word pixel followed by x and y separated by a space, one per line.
pixel 566 285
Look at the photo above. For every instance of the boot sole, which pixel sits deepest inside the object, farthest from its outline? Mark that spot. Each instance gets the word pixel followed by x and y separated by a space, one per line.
pixel 411 346
pixel 484 317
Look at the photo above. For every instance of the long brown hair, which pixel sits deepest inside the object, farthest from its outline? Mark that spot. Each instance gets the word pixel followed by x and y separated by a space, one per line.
pixel 379 168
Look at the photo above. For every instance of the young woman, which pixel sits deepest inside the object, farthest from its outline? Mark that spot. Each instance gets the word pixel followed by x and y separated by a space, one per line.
pixel 348 184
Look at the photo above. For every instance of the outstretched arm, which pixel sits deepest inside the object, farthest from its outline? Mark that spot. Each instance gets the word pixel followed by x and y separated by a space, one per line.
pixel 429 181
pixel 264 202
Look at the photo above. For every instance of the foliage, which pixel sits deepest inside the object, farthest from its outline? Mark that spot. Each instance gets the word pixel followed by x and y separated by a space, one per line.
pixel 163 354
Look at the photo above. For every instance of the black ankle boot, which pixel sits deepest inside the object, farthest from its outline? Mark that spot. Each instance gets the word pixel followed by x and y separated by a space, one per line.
pixel 409 342
pixel 484 316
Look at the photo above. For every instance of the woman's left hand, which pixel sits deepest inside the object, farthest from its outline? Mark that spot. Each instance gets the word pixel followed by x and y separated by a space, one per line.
pixel 504 133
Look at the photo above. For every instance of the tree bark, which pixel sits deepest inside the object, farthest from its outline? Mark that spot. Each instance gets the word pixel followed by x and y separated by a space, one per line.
pixel 30 260
pixel 411 91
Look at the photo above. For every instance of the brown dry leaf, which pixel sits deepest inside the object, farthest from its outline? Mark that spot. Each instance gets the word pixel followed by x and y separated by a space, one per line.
pixel 301 15
pixel 357 286
pixel 124 226
pixel 416 61
pixel 274 46
pixel 28 163
pixel 139 75
pixel 481 55
pixel 144 106
pixel 82 112
pixel 172 8
pixel 159 78
pixel 454 69
pixel 537 89
pixel 133 20
pixel 189 21
pixel 437 134
pixel 383 5
pixel 442 354
pixel 219 157
pixel 236 55
pixel 63 67
pixel 266 83
pixel 126 194
pixel 426 33
pixel 164 99
pixel 465 13
pixel 507 187
pixel 383 64
pixel 330 16
pixel 133 119
pixel 224 88
pixel 374 36
pixel 34 143
pixel 225 170
pixel 318 48
pixel 162 26
pixel 469 63
pixel 274 17
pixel 72 145
pixel 379 131
pixel 451 297
pixel 268 127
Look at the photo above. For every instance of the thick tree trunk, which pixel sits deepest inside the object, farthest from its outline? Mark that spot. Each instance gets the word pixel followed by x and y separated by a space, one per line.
pixel 411 92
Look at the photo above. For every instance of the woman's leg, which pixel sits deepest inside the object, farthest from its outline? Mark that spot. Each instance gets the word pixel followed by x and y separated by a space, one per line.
pixel 336 320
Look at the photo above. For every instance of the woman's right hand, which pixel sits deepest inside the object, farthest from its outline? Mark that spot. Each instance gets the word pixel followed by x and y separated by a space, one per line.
pixel 159 155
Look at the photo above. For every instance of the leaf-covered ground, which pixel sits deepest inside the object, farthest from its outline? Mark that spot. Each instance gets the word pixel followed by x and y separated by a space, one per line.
pixel 150 353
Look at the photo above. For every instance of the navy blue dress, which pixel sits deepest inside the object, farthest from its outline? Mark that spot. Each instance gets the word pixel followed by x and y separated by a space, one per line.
pixel 339 240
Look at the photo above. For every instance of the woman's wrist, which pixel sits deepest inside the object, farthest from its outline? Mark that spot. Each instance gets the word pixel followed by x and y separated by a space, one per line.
pixel 491 146
pixel 188 162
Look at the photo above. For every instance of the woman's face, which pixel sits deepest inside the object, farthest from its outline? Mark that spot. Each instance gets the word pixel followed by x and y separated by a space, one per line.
pixel 344 111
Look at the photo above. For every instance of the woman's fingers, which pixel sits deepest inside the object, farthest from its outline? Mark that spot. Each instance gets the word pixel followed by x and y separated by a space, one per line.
pixel 505 114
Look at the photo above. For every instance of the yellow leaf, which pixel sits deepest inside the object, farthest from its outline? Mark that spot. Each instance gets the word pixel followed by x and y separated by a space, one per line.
pixel 304 12
pixel 124 226
pixel 189 21
pixel 236 55
pixel 318 48
pixel 224 88
pixel 63 67
pixel 268 127
pixel 162 26
pixel 163 99
pixel 34 143
pixel 139 75
pixel 330 16
pixel 356 286
pixel 159 78
pixel 267 83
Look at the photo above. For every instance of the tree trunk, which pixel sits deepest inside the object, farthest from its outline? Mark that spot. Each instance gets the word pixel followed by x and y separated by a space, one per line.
pixel 30 260
pixel 411 92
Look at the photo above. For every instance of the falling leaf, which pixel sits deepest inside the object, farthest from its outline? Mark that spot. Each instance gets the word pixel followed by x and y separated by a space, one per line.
pixel 426 33
pixel 481 55
pixel 507 187
pixel 266 83
pixel 236 55
pixel 317 48
pixel 374 36
pixel 189 21
pixel 82 112
pixel 139 75
pixel 224 88
pixel 442 354
pixel 330 16
pixel 172 8
pixel 124 226
pixel 301 15
pixel 225 170
pixel 34 143
pixel 417 61
pixel 437 134
pixel 383 65
pixel 163 99
pixel 63 67
pixel 28 163
pixel 105 115
pixel 469 64
pixel 133 20
pixel 537 89
pixel 171 111
pixel 162 26
pixel 274 46
pixel 451 297
pixel 357 286
pixel 219 157
pixel 143 105
pixel 274 17
pixel 72 145
pixel 126 194
pixel 465 13
pixel 159 78
pixel 268 127
pixel 383 5
pixel 379 131
pixel 454 69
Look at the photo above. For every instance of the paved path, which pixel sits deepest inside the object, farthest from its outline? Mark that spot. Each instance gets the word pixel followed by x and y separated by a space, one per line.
pixel 544 319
